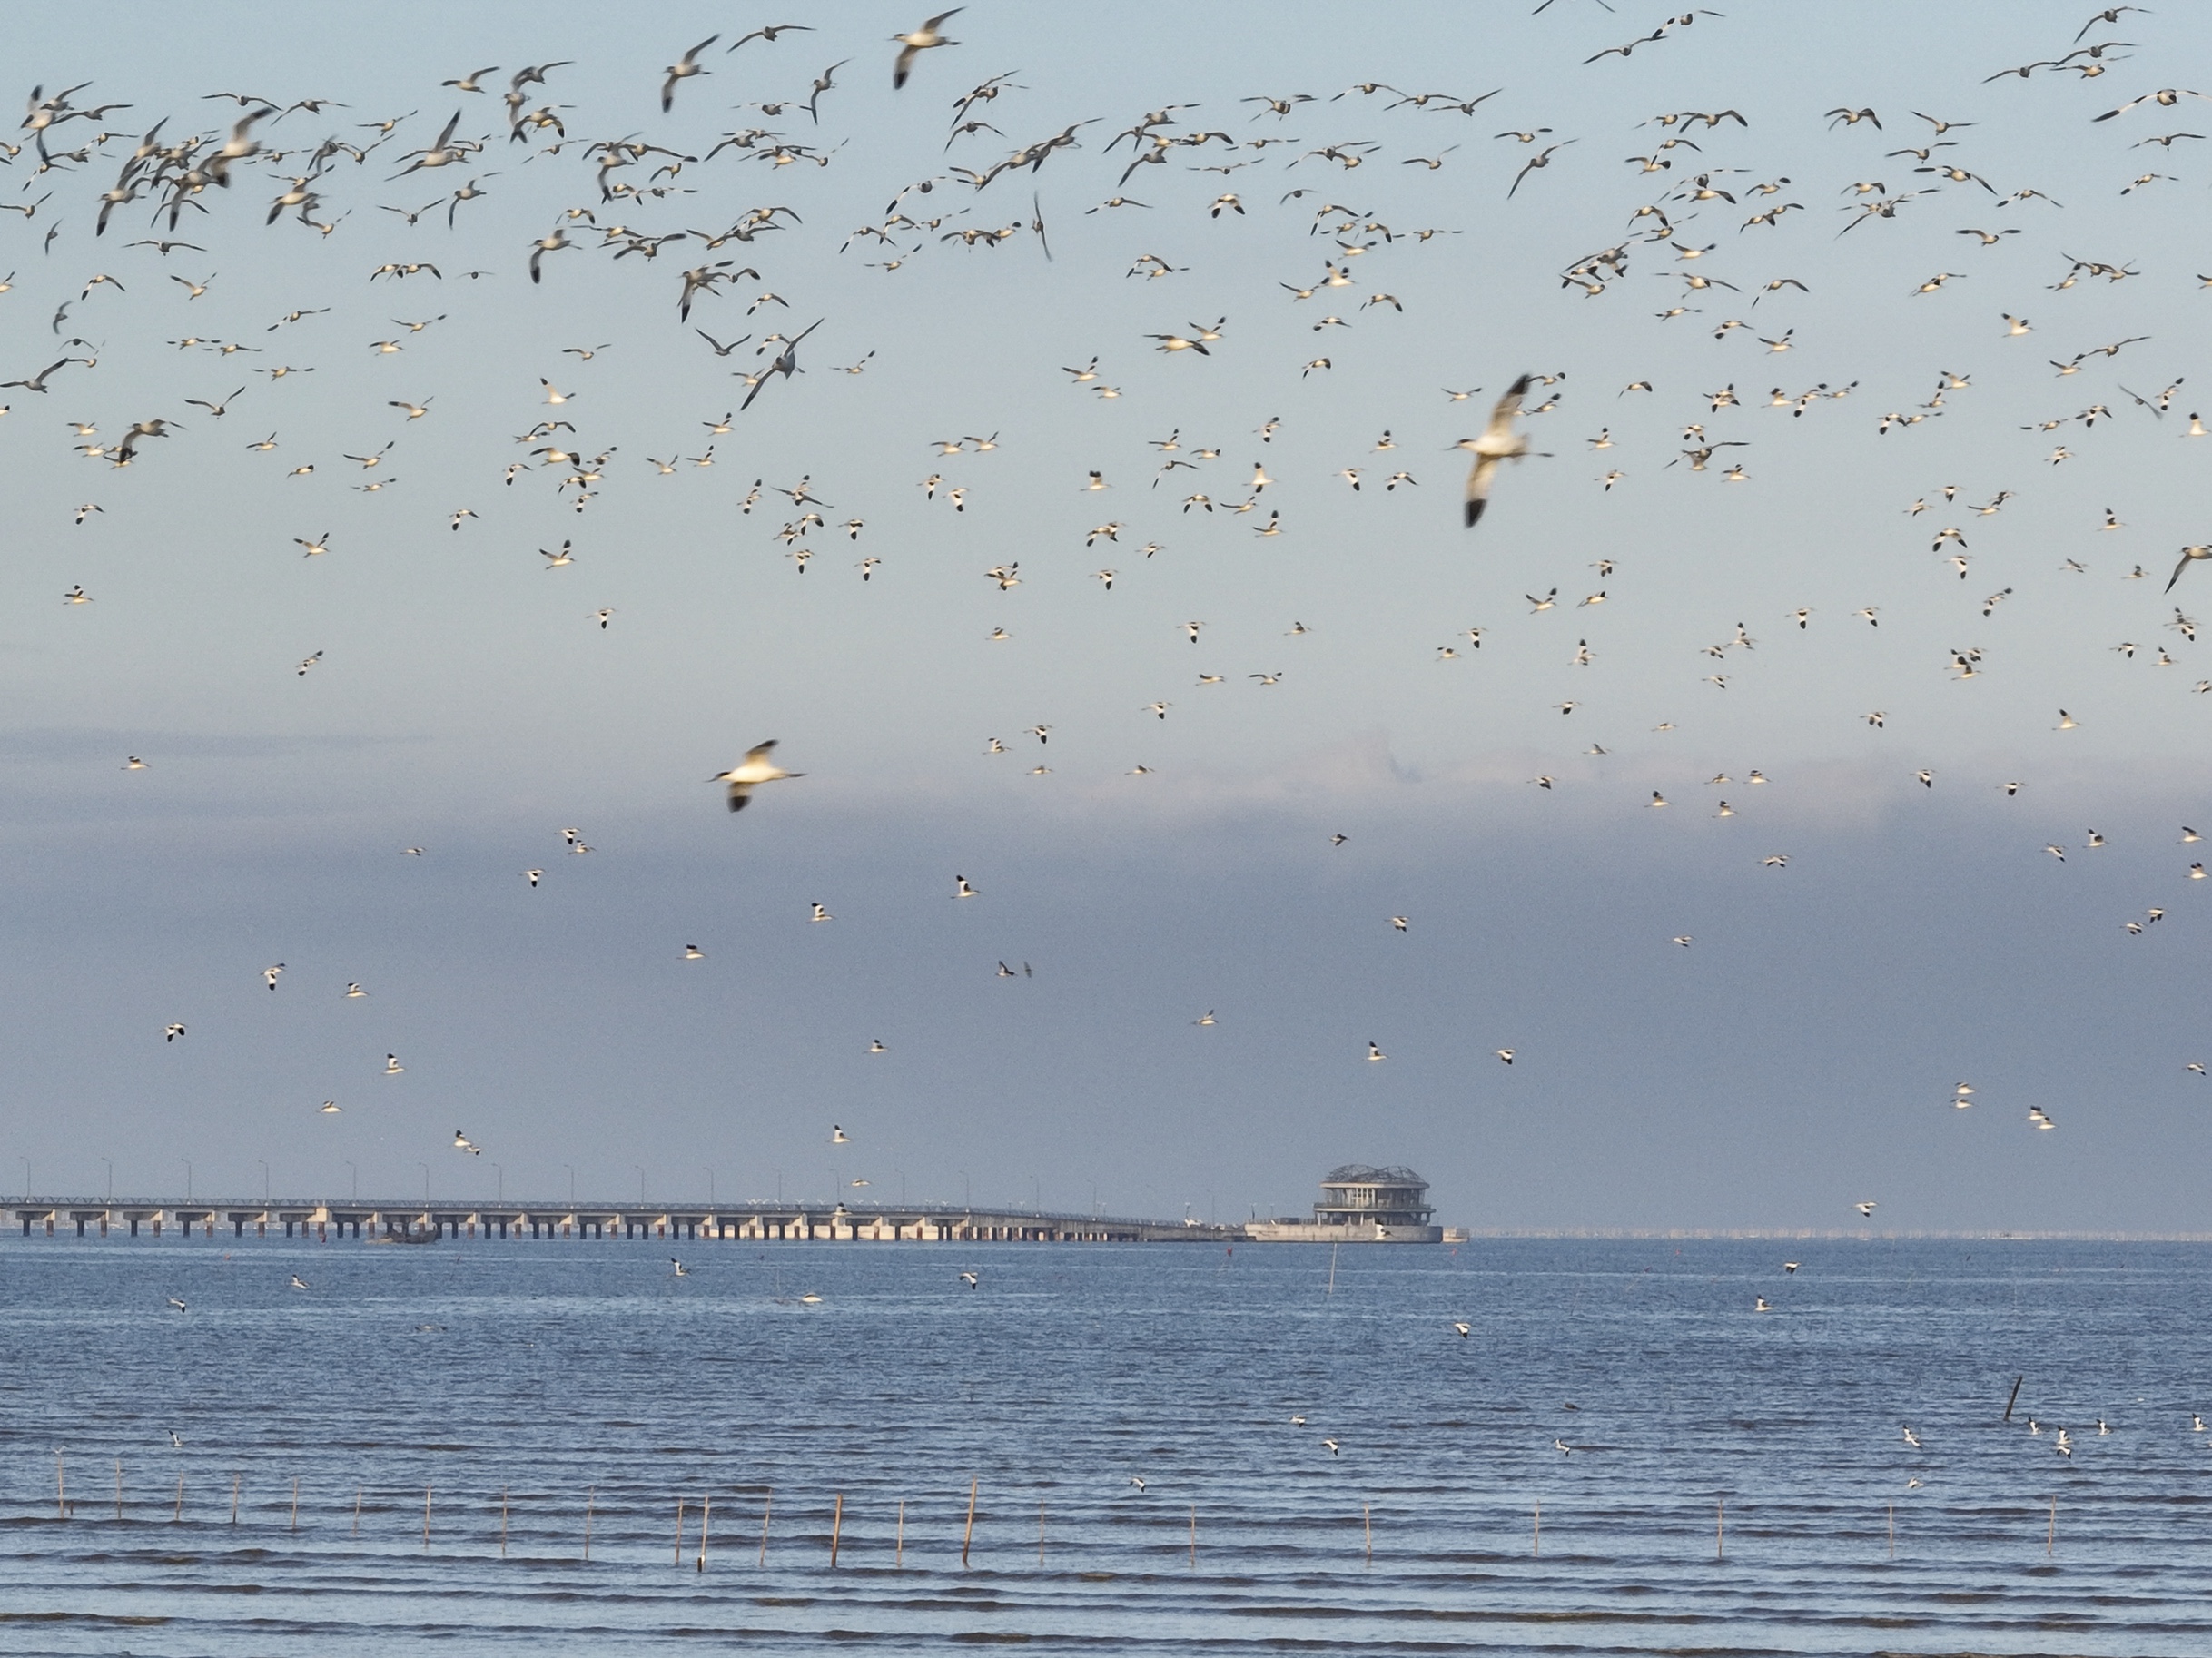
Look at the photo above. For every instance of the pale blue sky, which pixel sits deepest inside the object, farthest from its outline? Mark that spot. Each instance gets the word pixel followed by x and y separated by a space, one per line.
pixel 1799 1056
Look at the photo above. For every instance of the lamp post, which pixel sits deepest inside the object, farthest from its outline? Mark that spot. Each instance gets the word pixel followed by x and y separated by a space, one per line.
pixel 498 1171
pixel 710 1186
pixel 571 1168
pixel 187 1163
pixel 1036 1203
pixel 640 1181
pixel 27 1175
pixel 111 1178
pixel 264 1163
pixel 967 1190
pixel 357 1178
pixel 426 1179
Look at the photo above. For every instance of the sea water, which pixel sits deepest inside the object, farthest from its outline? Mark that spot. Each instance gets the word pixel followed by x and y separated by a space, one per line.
pixel 417 1445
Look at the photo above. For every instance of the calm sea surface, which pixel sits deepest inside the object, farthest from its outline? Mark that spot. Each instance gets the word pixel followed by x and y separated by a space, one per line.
pixel 583 1383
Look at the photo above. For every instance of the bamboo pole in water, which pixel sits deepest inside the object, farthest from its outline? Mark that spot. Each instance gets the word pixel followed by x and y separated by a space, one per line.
pixel 707 1509
pixel 898 1557
pixel 235 1480
pixel 2014 1399
pixel 836 1526
pixel 1366 1519
pixel 1194 1537
pixel 295 1504
pixel 426 1518
pixel 1040 1531
pixel 119 1488
pixel 502 1522
pixel 969 1535
pixel 2050 1538
pixel 1536 1547
pixel 1720 1529
pixel 679 1531
pixel 180 1512
pixel 767 1507
pixel 60 1488
pixel 590 1493
pixel 357 1511
pixel 1892 1531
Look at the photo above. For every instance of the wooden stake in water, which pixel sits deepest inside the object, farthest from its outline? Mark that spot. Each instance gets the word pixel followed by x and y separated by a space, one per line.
pixel 119 1488
pixel 707 1509
pixel 60 1488
pixel 1332 1270
pixel 679 1531
pixel 236 1479
pixel 2015 1398
pixel 969 1535
pixel 1194 1537
pixel 1719 1530
pixel 357 1511
pixel 767 1507
pixel 295 1504
pixel 1892 1531
pixel 426 1517
pixel 898 1556
pixel 502 1522
pixel 180 1512
pixel 2050 1538
pixel 1366 1519
pixel 1040 1531
pixel 588 1495
pixel 1536 1547
pixel 836 1526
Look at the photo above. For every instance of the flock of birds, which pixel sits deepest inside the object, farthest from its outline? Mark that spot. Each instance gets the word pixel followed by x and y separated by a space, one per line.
pixel 313 167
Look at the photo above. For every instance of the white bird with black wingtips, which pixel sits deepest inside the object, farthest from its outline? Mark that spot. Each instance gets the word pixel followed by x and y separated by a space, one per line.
pixel 1497 442
pixel 755 768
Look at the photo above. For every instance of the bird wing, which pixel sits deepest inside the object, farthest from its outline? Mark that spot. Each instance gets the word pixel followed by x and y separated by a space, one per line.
pixel 1507 406
pixel 2178 569
pixel 1478 486
pixel 739 794
pixel 760 750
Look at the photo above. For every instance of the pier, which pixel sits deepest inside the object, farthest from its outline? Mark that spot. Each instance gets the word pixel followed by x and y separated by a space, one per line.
pixel 408 1220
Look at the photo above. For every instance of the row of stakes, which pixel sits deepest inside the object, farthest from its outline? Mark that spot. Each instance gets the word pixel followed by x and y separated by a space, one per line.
pixel 967 1536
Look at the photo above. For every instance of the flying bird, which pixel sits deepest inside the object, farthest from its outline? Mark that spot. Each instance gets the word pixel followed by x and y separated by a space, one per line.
pixel 755 768
pixel 1497 442
pixel 916 41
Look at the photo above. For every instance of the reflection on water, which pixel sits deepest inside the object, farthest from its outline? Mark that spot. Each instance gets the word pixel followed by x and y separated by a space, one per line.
pixel 424 1444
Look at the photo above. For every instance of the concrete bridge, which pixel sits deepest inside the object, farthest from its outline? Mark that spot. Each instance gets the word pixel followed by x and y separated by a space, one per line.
pixel 405 1220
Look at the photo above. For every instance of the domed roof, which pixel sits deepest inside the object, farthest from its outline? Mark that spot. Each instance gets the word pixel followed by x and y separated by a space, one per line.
pixel 1364 1174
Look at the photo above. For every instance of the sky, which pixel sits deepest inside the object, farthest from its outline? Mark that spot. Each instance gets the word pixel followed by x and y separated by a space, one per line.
pixel 1860 943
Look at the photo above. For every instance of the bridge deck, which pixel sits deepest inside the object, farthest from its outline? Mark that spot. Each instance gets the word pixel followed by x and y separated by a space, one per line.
pixel 751 1221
